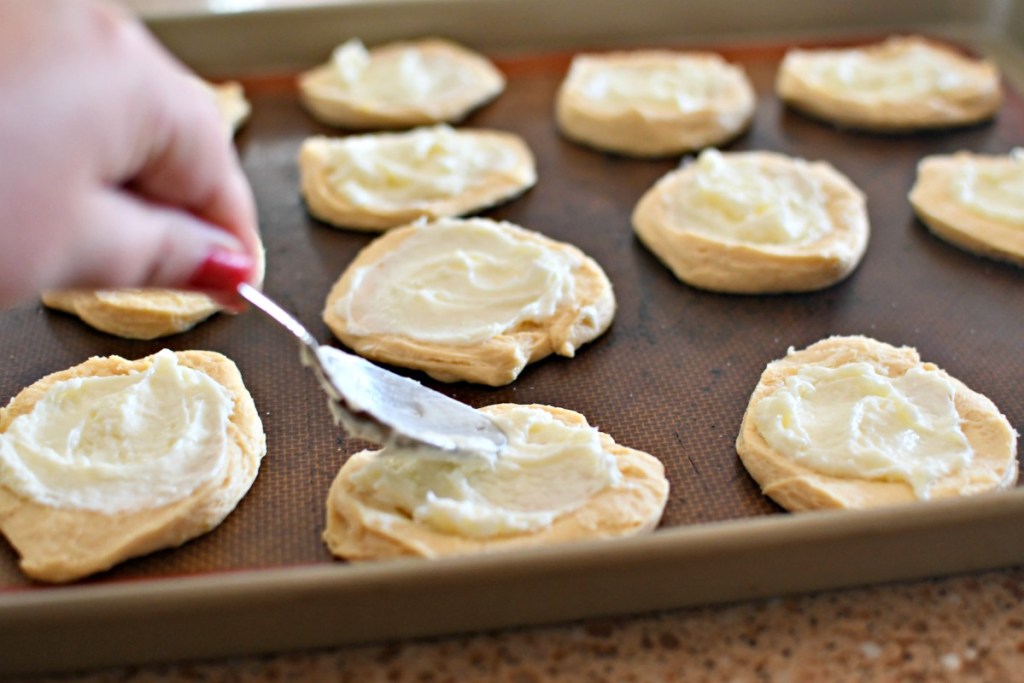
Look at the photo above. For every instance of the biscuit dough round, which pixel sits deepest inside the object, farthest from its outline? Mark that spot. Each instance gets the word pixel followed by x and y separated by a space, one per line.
pixel 362 528
pixel 946 88
pixel 936 202
pixel 697 252
pixel 797 487
pixel 472 81
pixel 484 188
pixel 64 544
pixel 234 108
pixel 702 100
pixel 499 359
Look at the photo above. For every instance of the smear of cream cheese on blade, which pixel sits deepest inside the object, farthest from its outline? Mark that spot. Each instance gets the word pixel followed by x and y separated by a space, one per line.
pixel 548 469
pixel 458 282
pixel 414 168
pixel 732 197
pixel 852 421
pixel 120 442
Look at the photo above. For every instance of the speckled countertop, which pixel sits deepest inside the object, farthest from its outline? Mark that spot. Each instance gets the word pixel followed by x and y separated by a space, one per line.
pixel 966 628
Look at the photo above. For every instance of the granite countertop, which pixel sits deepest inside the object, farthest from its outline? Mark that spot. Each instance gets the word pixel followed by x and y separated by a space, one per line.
pixel 965 628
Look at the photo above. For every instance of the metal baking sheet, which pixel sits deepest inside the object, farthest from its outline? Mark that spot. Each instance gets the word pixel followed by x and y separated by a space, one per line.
pixel 671 377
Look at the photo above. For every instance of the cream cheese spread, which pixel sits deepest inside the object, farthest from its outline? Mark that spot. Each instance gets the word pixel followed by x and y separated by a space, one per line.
pixel 458 282
pixel 733 197
pixel 414 168
pixel 678 86
pixel 548 469
pixel 119 442
pixel 993 190
pixel 852 421
pixel 405 75
pixel 898 74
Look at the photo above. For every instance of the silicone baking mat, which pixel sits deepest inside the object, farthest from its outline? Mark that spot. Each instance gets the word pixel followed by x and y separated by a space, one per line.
pixel 671 377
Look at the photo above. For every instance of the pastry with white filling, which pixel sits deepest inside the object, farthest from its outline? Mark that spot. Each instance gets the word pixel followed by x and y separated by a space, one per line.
pixel 378 181
pixel 851 422
pixel 652 103
pixel 974 201
pixel 902 84
pixel 468 299
pixel 113 459
pixel 558 480
pixel 399 85
pixel 754 222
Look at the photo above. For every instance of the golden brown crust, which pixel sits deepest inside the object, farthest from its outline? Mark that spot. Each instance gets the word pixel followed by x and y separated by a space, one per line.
pixel 703 261
pixel 61 544
pixel 359 528
pixel 645 132
pixel 934 203
pixel 796 487
pixel 334 106
pixel 134 313
pixel 954 107
pixel 498 360
pixel 326 204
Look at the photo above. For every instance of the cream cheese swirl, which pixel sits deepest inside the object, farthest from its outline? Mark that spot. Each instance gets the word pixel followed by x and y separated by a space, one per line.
pixel 119 442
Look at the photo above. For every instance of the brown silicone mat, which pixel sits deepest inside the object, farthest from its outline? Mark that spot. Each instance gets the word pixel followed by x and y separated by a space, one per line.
pixel 671 377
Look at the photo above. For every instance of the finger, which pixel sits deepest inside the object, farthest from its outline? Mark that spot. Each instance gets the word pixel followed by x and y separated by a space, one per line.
pixel 129 242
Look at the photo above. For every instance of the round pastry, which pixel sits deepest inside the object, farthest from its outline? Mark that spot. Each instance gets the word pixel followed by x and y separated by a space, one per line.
pixel 399 85
pixel 651 103
pixel 468 299
pixel 851 422
pixel 113 459
pixel 558 480
pixel 134 313
pixel 974 201
pixel 905 83
pixel 754 222
pixel 382 180
pixel 231 103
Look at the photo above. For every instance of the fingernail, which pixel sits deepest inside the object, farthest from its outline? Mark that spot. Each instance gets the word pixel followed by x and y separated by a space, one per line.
pixel 222 270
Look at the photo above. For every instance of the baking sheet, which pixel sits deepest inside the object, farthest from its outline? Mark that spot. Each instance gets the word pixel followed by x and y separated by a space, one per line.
pixel 671 377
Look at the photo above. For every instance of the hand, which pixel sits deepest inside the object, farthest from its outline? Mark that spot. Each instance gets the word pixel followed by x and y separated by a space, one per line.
pixel 115 170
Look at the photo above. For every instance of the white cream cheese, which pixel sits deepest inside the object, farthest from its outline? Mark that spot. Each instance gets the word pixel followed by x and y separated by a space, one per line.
pixel 993 190
pixel 404 75
pixel 677 86
pixel 734 198
pixel 548 469
pixel 119 442
pixel 414 168
pixel 852 421
pixel 896 74
pixel 458 282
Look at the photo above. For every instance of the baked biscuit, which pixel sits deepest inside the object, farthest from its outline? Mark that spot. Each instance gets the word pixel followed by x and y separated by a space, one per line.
pixel 403 84
pixel 851 422
pixel 652 103
pixel 468 299
pixel 378 181
pixel 559 480
pixel 754 222
pixel 905 83
pixel 234 108
pixel 113 459
pixel 974 201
